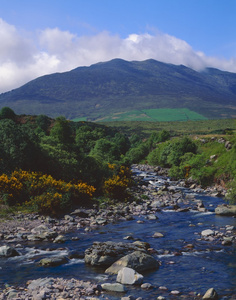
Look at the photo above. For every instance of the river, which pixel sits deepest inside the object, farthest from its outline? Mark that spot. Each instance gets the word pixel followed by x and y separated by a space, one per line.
pixel 207 264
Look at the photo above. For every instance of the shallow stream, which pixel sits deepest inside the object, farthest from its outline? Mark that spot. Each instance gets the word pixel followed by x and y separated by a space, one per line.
pixel 207 265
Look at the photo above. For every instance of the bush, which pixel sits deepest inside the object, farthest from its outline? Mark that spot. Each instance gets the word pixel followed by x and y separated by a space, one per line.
pixel 42 192
pixel 116 186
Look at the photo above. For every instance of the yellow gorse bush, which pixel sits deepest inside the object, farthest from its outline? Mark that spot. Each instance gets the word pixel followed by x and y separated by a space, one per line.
pixel 116 186
pixel 42 191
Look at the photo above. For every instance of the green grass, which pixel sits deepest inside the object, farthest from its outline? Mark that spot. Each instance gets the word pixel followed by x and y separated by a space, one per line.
pixel 201 127
pixel 153 115
pixel 79 119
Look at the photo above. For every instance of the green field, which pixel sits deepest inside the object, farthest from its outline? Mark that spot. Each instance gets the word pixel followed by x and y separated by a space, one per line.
pixel 154 115
pixel 201 127
pixel 79 119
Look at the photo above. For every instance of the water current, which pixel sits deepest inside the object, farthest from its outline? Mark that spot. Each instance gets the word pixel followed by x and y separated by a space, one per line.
pixel 208 265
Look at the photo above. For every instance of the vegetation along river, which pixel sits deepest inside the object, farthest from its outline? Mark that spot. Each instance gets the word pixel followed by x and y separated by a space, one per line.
pixel 189 264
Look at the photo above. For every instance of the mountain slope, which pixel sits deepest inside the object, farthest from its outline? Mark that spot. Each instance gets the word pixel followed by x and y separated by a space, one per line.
pixel 121 86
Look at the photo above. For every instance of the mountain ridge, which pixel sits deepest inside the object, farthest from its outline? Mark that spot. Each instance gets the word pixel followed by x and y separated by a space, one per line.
pixel 118 85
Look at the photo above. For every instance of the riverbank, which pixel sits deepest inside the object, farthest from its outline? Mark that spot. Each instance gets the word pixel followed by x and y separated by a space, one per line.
pixel 25 229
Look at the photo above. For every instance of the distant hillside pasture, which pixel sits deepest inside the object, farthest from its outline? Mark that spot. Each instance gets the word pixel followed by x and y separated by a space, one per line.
pixel 199 127
pixel 155 115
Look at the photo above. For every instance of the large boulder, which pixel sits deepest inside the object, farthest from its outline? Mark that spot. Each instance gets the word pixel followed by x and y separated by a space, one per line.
pixel 106 253
pixel 226 210
pixel 137 260
pixel 7 251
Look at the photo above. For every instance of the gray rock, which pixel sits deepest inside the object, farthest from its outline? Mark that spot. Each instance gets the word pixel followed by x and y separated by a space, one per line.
pixel 41 232
pixel 146 286
pixel 207 232
pixel 53 261
pixel 113 287
pixel 7 251
pixel 60 239
pixel 129 276
pixel 229 210
pixel 158 235
pixel 137 260
pixel 152 217
pixel 106 253
pixel 12 294
pixel 210 294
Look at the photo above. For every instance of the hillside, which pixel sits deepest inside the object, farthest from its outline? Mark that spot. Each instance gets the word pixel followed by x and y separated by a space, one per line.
pixel 120 86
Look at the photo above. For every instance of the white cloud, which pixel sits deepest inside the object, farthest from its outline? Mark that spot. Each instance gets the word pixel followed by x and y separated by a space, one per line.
pixel 52 50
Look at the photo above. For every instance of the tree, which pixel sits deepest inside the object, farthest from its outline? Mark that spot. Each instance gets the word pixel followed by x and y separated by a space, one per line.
pixel 62 131
pixel 7 113
pixel 179 148
pixel 19 147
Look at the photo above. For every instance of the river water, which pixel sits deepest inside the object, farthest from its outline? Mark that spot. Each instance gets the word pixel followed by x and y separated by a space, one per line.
pixel 208 265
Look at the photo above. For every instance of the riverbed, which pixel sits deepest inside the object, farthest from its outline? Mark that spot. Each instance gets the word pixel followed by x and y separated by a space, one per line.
pixel 188 263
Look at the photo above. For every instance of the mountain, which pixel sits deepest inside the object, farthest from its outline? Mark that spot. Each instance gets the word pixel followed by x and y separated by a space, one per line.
pixel 119 86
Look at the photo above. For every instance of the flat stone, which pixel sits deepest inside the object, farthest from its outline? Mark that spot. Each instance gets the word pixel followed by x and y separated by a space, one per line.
pixel 113 287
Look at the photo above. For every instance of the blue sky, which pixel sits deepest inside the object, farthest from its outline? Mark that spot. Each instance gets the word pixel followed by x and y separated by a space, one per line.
pixel 45 36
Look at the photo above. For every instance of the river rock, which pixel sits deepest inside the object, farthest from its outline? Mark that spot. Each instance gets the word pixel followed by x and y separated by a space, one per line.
pixel 229 210
pixel 147 286
pixel 106 253
pixel 210 294
pixel 129 276
pixel 137 260
pixel 7 251
pixel 207 232
pixel 53 261
pixel 113 287
pixel 60 239
pixel 41 232
pixel 158 235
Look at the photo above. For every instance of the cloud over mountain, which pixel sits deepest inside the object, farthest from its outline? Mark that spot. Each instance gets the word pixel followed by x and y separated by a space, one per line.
pixel 27 55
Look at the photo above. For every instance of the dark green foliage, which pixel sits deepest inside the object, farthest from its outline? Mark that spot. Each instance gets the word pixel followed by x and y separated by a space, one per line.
pixel 137 154
pixel 179 148
pixel 19 148
pixel 7 113
pixel 62 131
pixel 43 122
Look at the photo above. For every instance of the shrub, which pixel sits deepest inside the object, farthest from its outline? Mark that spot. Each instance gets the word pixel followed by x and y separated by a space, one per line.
pixel 116 186
pixel 42 192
